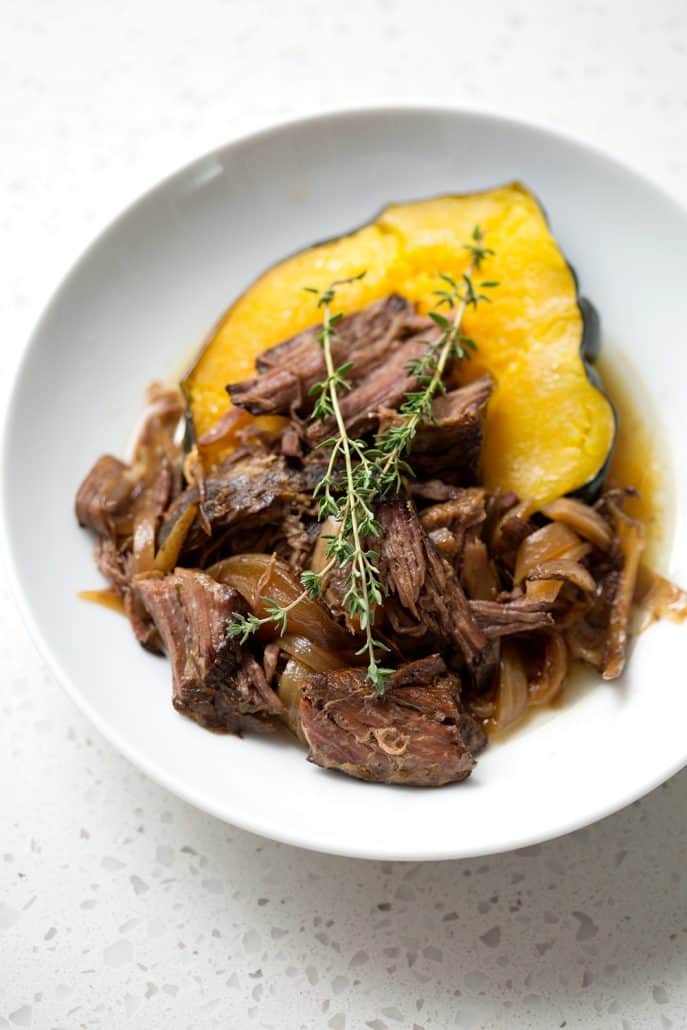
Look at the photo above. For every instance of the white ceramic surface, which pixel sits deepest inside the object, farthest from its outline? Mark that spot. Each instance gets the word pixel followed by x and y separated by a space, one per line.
pixel 138 303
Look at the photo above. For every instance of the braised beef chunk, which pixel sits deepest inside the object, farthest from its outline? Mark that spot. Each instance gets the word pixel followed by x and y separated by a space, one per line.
pixel 629 535
pixel 248 490
pixel 288 371
pixel 449 447
pixel 426 587
pixel 104 497
pixel 214 682
pixel 380 391
pixel 411 735
pixel 473 733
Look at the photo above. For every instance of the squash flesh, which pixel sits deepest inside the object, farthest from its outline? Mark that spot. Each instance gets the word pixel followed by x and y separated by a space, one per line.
pixel 548 429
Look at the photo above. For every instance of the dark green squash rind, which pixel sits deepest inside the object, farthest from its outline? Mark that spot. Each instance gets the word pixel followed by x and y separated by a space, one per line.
pixel 590 349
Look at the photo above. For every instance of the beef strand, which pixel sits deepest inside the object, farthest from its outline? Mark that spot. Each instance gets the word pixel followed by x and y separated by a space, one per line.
pixel 503 619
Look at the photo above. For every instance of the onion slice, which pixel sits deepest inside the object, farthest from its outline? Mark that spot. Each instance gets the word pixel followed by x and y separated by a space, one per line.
pixel 585 521
pixel 552 541
pixel 315 657
pixel 564 568
pixel 144 539
pixel 166 557
pixel 512 690
pixel 656 598
pixel 261 577
pixel 551 676
pixel 631 541
pixel 289 689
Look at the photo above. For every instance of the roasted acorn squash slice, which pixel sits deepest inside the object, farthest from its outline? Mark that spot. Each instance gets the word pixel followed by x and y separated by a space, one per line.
pixel 549 429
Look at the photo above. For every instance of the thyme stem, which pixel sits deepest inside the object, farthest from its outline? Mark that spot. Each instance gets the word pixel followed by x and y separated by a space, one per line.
pixel 429 370
pixel 359 561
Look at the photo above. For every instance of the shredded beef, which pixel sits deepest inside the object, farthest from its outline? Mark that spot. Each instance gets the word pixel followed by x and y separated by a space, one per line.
pixel 425 587
pixel 104 497
pixel 432 489
pixel 449 447
pixel 446 551
pixel 288 371
pixel 502 619
pixel 214 681
pixel 465 509
pixel 383 389
pixel 248 491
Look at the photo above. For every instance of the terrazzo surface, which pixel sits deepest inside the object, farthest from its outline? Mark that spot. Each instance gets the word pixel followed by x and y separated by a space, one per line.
pixel 121 906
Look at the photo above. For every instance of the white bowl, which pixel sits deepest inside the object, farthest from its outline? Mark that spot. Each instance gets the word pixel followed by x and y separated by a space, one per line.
pixel 141 300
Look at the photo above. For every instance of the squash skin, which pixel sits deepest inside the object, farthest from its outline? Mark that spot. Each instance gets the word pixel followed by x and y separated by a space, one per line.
pixel 549 428
pixel 590 349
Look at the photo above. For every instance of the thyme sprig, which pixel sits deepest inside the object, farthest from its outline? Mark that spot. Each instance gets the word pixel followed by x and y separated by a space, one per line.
pixel 458 295
pixel 374 470
pixel 353 512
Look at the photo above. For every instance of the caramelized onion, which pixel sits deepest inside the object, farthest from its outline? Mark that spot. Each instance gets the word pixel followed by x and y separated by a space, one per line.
pixel 631 539
pixel 552 541
pixel 319 559
pixel 564 568
pixel 316 658
pixel 586 643
pixel 108 598
pixel 160 418
pixel 543 591
pixel 261 576
pixel 656 598
pixel 289 689
pixel 445 542
pixel 166 557
pixel 512 691
pixel 144 539
pixel 478 574
pixel 551 676
pixel 585 521
pixel 194 474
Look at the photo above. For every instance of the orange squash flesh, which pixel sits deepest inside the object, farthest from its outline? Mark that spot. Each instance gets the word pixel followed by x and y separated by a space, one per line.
pixel 549 430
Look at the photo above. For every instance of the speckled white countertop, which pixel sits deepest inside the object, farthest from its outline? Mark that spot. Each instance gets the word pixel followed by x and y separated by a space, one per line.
pixel 121 906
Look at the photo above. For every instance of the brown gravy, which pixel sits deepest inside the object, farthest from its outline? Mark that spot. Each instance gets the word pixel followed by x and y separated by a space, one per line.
pixel 639 457
pixel 106 597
